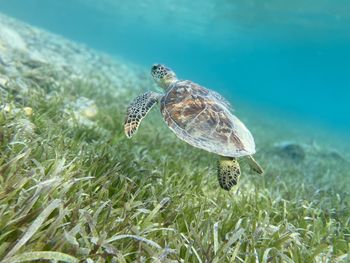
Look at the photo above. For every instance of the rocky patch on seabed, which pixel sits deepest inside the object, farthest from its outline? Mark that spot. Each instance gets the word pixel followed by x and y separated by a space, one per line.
pixel 30 56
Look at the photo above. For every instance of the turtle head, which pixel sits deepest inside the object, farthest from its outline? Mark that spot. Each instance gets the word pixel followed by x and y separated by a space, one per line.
pixel 163 75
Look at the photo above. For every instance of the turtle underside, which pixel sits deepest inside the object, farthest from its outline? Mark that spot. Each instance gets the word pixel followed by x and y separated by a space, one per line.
pixel 202 118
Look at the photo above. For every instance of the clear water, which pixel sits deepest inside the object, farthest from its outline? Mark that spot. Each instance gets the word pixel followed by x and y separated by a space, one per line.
pixel 291 57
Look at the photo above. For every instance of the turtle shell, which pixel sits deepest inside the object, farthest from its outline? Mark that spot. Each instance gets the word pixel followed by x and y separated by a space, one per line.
pixel 202 118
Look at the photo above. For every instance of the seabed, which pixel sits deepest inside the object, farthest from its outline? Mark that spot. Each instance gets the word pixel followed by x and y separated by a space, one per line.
pixel 74 189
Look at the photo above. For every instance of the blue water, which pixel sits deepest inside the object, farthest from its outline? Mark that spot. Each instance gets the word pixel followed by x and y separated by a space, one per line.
pixel 292 57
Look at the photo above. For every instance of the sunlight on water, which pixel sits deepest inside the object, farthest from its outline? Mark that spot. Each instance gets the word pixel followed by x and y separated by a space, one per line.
pixel 228 18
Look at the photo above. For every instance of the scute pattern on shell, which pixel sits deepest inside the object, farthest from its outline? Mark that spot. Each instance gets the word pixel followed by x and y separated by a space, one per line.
pixel 201 118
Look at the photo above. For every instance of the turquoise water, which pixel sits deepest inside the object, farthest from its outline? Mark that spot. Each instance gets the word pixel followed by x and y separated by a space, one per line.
pixel 290 57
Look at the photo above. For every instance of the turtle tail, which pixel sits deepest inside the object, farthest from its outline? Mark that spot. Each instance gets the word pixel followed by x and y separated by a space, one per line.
pixel 228 172
pixel 254 166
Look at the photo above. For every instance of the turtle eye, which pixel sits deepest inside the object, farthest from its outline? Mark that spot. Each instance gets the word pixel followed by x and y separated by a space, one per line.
pixel 154 67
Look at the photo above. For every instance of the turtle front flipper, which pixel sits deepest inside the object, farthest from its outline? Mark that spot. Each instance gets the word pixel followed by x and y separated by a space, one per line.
pixel 228 172
pixel 137 110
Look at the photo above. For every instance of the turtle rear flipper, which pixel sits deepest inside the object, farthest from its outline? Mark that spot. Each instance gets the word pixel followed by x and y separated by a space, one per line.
pixel 228 172
pixel 137 110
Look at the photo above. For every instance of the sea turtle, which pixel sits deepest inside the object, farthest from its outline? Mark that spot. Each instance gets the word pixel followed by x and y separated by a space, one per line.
pixel 200 117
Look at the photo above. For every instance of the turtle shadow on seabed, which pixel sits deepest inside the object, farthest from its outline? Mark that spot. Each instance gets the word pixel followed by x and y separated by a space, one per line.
pixel 321 167
pixel 300 152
